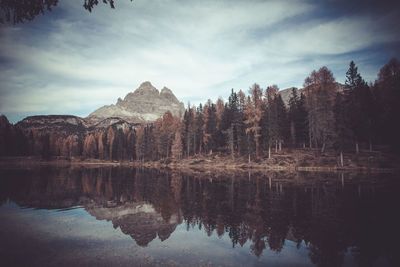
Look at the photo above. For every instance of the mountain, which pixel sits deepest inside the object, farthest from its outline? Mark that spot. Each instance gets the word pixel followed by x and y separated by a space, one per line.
pixel 139 220
pixel 67 123
pixel 145 104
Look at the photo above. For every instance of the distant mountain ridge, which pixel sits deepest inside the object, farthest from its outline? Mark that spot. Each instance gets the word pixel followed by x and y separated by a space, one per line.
pixel 144 105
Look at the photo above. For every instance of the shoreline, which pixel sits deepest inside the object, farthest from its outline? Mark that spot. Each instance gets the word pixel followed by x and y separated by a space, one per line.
pixel 303 161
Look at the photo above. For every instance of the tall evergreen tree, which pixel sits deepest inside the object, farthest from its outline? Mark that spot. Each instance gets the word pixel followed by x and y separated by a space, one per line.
pixel 341 125
pixel 387 92
pixel 210 126
pixel 283 122
pixel 199 126
pixel 242 138
pixel 293 115
pixel 188 122
pixel 357 100
pixel 301 123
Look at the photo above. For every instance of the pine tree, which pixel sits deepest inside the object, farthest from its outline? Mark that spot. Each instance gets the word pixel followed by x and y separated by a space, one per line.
pixel 272 118
pixel 241 128
pixel 199 126
pixel 293 116
pixel 301 123
pixel 341 125
pixel 140 143
pixel 387 93
pixel 232 119
pixel 189 130
pixel 283 122
pixel 210 126
pixel 354 93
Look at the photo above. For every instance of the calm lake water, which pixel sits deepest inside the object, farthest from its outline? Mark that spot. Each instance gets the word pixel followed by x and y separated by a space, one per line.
pixel 135 217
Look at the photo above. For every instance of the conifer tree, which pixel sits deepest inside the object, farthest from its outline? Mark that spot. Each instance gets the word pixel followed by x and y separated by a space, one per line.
pixel 355 93
pixel 301 123
pixel 293 116
pixel 210 126
pixel 253 115
pixel 242 138
pixel 283 122
pixel 387 93
pixel 199 126
pixel 341 125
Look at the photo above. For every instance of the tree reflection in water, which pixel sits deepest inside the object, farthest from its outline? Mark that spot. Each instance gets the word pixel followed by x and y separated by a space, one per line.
pixel 330 213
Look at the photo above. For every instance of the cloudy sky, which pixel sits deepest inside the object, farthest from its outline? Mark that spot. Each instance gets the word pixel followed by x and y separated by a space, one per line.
pixel 70 61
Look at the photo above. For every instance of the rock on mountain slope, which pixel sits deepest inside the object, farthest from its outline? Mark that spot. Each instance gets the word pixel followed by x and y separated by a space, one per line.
pixel 145 104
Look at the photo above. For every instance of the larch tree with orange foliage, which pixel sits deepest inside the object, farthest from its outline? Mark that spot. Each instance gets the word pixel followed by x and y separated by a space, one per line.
pixel 253 113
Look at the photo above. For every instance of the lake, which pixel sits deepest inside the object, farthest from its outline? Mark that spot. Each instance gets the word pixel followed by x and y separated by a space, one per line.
pixel 115 216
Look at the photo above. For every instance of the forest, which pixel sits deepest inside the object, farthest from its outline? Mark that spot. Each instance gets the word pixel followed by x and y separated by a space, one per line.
pixel 324 116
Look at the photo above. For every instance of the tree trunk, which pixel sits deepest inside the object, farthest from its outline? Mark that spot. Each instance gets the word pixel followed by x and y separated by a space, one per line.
pixel 342 174
pixel 256 139
pixel 249 157
pixel 323 147
pixel 280 145
pixel 276 146
pixel 269 151
pixel 304 145
pixel 309 136
pixel 194 143
pixel 357 149
pixel 341 159
pixel 232 151
pixel 188 144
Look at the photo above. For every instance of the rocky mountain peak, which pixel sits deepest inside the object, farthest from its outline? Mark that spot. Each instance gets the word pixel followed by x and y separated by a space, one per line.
pixel 167 93
pixel 145 104
pixel 146 88
pixel 4 121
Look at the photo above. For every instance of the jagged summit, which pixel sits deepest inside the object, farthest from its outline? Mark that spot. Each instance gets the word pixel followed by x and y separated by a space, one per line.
pixel 145 104
pixel 167 93
pixel 146 88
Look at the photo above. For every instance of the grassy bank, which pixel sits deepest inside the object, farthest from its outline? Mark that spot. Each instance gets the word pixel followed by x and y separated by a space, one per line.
pixel 294 160
pixel 286 160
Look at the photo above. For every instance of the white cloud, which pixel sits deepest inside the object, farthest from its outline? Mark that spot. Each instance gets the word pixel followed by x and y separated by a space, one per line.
pixel 198 49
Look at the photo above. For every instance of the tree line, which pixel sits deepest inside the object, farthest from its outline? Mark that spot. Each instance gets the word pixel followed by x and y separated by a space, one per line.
pixel 324 115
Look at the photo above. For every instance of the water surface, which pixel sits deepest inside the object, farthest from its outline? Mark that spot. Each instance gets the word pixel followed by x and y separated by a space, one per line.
pixel 137 217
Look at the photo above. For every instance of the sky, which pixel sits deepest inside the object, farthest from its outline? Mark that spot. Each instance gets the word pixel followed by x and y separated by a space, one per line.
pixel 70 61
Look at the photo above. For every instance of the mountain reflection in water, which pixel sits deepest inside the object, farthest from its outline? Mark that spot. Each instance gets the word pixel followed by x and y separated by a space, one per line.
pixel 332 215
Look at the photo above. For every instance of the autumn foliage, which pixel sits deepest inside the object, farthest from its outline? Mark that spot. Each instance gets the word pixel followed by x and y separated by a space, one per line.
pixel 323 116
